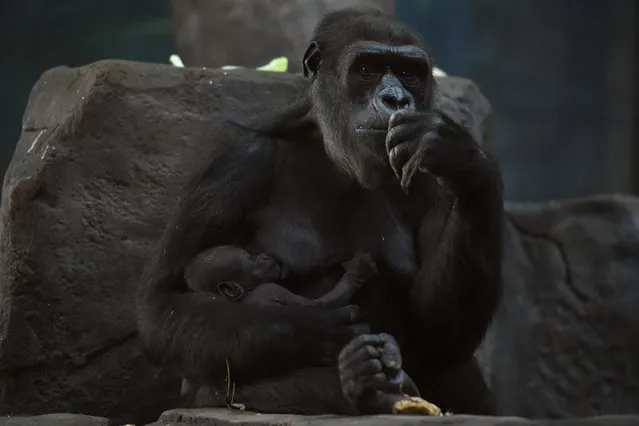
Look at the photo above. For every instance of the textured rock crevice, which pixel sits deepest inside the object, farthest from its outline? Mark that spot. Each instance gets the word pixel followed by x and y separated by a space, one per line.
pixel 548 239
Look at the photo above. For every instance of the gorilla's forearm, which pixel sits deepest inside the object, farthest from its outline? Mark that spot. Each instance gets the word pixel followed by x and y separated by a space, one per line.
pixel 459 284
pixel 196 336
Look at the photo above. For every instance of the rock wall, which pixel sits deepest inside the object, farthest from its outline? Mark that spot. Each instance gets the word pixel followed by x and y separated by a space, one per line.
pixel 565 341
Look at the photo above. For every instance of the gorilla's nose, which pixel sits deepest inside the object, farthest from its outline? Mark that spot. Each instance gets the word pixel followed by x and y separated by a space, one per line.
pixel 393 99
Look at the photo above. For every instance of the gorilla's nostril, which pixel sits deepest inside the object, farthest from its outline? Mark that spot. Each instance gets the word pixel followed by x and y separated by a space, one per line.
pixel 393 100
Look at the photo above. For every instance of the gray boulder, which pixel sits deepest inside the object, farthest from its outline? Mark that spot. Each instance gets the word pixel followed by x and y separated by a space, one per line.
pixel 565 341
pixel 251 33
pixel 104 151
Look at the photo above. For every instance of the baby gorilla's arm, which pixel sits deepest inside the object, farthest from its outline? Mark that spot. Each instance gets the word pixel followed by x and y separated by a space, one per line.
pixel 358 270
pixel 274 295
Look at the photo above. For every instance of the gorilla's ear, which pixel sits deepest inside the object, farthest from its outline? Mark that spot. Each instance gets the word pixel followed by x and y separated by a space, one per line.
pixel 312 60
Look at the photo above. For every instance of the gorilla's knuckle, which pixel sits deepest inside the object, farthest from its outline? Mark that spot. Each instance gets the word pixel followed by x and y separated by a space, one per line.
pixel 374 366
pixel 374 381
pixel 385 337
pixel 371 351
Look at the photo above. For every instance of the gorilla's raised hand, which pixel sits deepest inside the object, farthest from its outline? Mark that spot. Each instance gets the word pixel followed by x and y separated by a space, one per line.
pixel 433 143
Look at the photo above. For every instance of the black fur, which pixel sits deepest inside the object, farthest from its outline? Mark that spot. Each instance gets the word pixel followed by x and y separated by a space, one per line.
pixel 388 175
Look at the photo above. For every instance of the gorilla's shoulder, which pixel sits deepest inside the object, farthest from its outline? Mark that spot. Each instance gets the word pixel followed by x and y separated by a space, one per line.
pixel 249 146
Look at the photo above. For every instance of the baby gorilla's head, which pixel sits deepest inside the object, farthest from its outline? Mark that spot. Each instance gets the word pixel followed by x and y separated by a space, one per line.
pixel 229 263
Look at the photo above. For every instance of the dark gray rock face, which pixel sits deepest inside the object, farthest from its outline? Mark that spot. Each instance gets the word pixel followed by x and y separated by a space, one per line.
pixel 103 153
pixel 251 33
pixel 566 339
pixel 58 419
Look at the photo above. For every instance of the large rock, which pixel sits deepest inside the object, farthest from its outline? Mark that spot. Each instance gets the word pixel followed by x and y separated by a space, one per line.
pixel 250 33
pixel 565 341
pixel 56 419
pixel 104 151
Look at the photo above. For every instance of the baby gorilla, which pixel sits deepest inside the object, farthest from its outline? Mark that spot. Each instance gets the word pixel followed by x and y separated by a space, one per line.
pixel 236 274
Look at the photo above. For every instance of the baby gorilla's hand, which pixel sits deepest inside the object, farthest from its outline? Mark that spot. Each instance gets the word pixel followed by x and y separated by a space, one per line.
pixel 371 375
pixel 361 265
pixel 265 268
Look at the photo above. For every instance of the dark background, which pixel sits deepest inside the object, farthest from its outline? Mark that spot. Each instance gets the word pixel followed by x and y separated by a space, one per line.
pixel 561 74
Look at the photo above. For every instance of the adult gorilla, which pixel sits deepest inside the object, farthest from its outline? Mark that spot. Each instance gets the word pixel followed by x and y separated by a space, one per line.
pixel 385 174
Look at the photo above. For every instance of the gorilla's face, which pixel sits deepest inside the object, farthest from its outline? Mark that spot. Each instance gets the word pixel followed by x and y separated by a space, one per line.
pixel 354 96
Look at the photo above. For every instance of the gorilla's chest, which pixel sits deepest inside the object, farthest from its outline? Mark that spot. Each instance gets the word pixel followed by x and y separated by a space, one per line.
pixel 311 236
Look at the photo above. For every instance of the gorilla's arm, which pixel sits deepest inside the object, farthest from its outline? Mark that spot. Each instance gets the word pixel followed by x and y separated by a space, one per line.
pixel 195 334
pixel 458 286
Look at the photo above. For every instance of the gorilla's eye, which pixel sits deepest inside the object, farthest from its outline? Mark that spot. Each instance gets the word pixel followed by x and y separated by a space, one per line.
pixel 369 69
pixel 411 74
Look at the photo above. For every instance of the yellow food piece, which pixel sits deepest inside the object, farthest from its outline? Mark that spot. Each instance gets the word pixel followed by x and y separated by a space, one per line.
pixel 278 65
pixel 415 405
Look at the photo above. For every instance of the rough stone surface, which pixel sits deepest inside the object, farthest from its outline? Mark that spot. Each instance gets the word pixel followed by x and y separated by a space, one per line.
pixel 221 417
pixel 226 417
pixel 566 339
pixel 251 33
pixel 103 152
pixel 61 419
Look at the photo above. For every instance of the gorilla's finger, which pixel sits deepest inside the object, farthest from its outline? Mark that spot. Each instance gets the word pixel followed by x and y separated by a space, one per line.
pixel 346 315
pixel 409 170
pixel 401 133
pixel 398 157
pixel 397 379
pixel 355 344
pixel 391 355
pixel 376 381
pixel 349 388
pixel 387 339
pixel 361 356
pixel 367 368
pixel 403 116
pixel 435 121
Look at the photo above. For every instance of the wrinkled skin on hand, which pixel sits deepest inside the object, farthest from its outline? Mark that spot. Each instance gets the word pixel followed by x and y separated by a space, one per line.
pixel 371 374
pixel 430 142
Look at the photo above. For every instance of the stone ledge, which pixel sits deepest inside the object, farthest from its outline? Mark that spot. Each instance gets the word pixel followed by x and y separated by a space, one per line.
pixel 219 417
pixel 56 419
